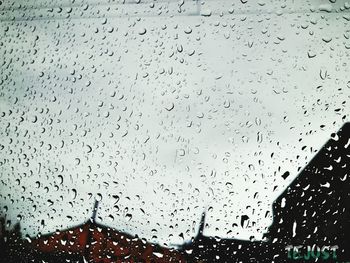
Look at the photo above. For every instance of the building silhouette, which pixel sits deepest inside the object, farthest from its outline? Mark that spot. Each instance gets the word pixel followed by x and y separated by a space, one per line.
pixel 94 242
pixel 312 213
pixel 315 207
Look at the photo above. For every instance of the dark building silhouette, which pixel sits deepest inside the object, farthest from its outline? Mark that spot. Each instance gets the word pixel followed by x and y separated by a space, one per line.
pixel 312 214
pixel 315 207
pixel 214 249
pixel 13 249
pixel 311 223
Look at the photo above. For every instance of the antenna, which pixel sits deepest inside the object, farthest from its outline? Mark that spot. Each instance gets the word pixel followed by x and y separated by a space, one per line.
pixel 201 225
pixel 94 211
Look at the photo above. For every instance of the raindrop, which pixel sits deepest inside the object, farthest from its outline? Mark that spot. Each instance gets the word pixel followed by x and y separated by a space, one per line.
pixel 142 31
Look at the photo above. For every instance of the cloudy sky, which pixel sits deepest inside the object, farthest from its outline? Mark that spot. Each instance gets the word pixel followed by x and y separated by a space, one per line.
pixel 163 110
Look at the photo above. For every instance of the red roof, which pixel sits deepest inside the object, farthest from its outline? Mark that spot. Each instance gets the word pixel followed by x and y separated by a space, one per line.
pixel 98 243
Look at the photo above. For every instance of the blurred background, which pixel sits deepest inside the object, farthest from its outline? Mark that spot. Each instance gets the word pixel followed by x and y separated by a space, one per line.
pixel 162 110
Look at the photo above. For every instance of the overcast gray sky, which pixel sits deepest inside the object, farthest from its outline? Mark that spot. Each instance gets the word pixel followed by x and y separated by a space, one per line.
pixel 164 110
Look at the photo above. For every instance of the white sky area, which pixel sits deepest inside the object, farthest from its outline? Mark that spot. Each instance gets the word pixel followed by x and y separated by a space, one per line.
pixel 163 111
